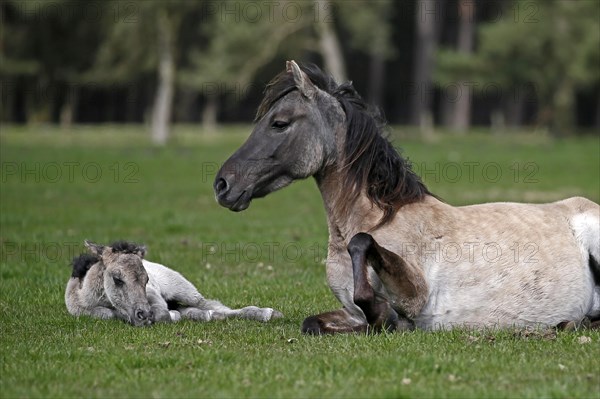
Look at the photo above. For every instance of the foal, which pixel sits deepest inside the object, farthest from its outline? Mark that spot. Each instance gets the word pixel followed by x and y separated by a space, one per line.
pixel 116 282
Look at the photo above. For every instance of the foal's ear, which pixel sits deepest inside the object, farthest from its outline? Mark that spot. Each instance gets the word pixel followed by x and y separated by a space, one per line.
pixel 141 251
pixel 303 83
pixel 94 248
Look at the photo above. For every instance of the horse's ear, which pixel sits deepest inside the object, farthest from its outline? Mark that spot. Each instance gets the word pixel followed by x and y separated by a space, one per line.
pixel 94 248
pixel 303 83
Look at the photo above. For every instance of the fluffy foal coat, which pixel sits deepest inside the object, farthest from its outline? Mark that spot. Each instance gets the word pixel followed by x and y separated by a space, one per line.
pixel 116 282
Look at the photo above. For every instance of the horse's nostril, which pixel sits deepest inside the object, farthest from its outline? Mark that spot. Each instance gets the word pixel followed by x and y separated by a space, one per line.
pixel 221 186
pixel 140 314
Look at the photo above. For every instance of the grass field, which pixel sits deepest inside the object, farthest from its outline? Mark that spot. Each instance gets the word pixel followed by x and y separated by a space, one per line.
pixel 106 183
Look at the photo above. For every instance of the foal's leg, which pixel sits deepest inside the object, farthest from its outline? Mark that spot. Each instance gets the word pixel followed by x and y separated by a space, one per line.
pixel 195 307
pixel 101 312
pixel 215 310
pixel 404 282
pixel 160 308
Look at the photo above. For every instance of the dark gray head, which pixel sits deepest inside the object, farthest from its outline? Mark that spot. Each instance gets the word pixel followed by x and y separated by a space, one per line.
pixel 308 125
pixel 293 139
pixel 125 280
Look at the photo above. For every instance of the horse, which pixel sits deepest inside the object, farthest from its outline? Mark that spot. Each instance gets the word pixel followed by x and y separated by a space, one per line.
pixel 115 282
pixel 399 257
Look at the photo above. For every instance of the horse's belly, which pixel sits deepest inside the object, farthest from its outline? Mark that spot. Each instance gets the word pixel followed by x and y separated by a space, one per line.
pixel 509 297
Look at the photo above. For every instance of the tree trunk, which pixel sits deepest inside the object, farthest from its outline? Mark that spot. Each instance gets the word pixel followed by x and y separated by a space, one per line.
pixel 209 114
pixel 563 116
pixel 513 110
pixel 329 43
pixel 185 105
pixel 163 100
pixel 376 78
pixel 456 107
pixel 462 113
pixel 67 111
pixel 428 14
pixel 597 121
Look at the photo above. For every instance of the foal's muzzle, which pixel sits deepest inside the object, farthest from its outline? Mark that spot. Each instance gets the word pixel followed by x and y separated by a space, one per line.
pixel 143 317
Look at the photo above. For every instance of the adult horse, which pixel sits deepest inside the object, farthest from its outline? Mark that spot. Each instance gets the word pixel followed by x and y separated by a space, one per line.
pixel 425 263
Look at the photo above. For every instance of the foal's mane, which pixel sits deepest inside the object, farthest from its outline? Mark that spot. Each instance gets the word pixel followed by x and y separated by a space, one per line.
pixel 369 162
pixel 83 263
pixel 127 247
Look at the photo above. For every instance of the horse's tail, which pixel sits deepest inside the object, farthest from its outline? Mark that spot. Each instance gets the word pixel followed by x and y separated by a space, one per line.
pixel 586 227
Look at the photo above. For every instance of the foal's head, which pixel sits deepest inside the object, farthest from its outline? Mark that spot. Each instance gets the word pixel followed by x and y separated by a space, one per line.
pixel 125 280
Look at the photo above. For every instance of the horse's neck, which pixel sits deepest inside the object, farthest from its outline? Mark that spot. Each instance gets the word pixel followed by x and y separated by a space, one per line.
pixel 345 219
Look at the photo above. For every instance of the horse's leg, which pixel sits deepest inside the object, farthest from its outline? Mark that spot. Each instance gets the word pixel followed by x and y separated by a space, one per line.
pixel 403 281
pixel 337 321
pixel 585 323
pixel 377 310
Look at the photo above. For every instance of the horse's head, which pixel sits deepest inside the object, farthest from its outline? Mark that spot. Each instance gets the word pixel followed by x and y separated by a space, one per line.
pixel 294 138
pixel 125 280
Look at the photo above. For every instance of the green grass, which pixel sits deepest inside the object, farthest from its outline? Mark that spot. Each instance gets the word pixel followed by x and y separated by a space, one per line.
pixel 113 184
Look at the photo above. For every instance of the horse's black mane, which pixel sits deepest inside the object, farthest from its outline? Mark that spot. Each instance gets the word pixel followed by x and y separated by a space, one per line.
pixel 370 161
pixel 82 263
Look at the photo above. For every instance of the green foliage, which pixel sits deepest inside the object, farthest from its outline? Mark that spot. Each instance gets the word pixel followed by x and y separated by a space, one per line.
pixel 552 45
pixel 540 42
pixel 130 48
pixel 240 43
pixel 163 197
pixel 369 25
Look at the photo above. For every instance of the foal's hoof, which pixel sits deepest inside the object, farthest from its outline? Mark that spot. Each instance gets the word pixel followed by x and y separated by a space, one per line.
pixel 276 314
pixel 269 314
pixel 175 316
pixel 260 314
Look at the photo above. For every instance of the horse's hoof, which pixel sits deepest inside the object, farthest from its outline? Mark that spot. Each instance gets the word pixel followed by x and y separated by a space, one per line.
pixel 312 326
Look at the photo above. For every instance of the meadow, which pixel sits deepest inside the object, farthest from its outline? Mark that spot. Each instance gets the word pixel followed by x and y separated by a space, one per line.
pixel 105 183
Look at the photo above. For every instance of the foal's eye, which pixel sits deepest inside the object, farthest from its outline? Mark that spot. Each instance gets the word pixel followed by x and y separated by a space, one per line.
pixel 118 282
pixel 280 125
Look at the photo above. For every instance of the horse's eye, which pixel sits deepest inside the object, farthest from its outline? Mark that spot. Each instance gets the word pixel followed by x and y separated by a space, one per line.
pixel 280 125
pixel 118 282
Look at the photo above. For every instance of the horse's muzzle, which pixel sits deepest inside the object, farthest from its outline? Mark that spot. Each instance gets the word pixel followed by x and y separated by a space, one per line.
pixel 228 198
